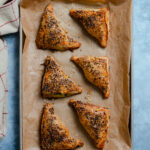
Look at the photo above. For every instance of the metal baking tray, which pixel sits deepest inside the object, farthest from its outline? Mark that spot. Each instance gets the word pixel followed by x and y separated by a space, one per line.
pixel 21 43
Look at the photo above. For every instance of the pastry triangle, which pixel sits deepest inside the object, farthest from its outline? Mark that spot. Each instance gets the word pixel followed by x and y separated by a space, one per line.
pixel 94 119
pixel 55 83
pixel 54 135
pixel 51 34
pixel 95 21
pixel 96 71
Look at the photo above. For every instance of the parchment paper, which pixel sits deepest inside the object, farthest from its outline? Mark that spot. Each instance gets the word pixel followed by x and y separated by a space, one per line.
pixel 118 51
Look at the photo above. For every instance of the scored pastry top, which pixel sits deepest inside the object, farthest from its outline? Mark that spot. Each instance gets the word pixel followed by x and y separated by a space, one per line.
pixel 96 71
pixel 56 83
pixel 54 135
pixel 94 119
pixel 95 21
pixel 51 35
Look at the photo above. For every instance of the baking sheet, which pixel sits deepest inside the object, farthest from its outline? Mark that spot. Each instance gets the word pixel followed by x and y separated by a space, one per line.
pixel 118 51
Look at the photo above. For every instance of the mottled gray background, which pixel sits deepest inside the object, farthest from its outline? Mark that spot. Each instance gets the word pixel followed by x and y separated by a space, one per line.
pixel 141 74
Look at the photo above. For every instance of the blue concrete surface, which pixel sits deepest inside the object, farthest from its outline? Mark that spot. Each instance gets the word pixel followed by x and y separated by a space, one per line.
pixel 141 82
pixel 141 75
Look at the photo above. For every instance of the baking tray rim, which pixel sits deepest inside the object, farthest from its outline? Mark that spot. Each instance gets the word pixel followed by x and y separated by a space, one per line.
pixel 21 89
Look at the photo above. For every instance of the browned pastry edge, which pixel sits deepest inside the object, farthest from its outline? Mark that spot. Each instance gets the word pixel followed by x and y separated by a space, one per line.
pixel 54 135
pixel 51 35
pixel 94 119
pixel 55 83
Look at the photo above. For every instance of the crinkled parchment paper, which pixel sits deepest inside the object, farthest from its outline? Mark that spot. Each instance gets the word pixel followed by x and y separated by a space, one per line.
pixel 118 51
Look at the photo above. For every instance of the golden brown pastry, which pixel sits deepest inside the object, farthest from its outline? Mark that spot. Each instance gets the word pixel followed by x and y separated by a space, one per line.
pixel 94 119
pixel 96 71
pixel 55 83
pixel 54 136
pixel 51 35
pixel 95 21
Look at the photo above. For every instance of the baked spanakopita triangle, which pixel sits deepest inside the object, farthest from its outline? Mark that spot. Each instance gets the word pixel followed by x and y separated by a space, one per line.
pixel 95 21
pixel 54 135
pixel 51 35
pixel 94 119
pixel 96 71
pixel 56 83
